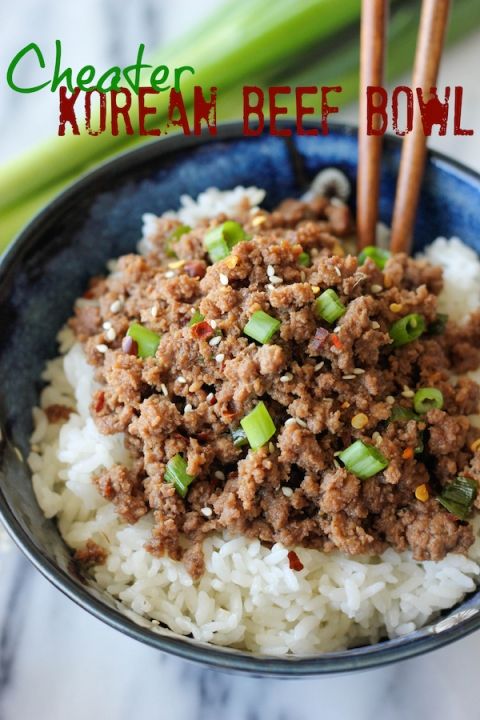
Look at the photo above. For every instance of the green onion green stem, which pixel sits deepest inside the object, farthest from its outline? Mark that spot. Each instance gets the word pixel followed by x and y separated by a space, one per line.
pixel 261 327
pixel 363 460
pixel 176 473
pixel 407 329
pixel 147 340
pixel 426 399
pixel 220 240
pixel 458 496
pixel 329 307
pixel 258 426
pixel 376 254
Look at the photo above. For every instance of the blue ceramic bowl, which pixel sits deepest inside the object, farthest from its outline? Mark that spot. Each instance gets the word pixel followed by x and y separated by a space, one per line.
pixel 99 218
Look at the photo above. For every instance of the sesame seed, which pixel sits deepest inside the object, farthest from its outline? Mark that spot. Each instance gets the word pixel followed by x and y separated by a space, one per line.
pixel 259 220
pixel 377 438
pixel 376 289
pixel 193 310
pixel 215 340
pixel 206 511
pixel 269 287
pixel 101 348
pixel 315 289
pixel 107 325
pixel 290 421
pixel 475 445
pixel 115 306
pixel 219 358
pixel 302 276
pixel 319 365
pixel 275 280
pixel 270 270
pixel 187 409
pixel 338 271
pixel 219 475
pixel 181 380
pixel 209 397
pixel 300 422
pixel 287 491
pixel 375 325
pixel 176 264
pixel 154 310
pixel 223 279
pixel 231 261
pixel 286 378
pixel 407 393
pixel 348 377
pixel 111 334
pixel 170 274
pixel 164 389
pixel 213 324
pixel 390 399
pixel 336 329
pixel 358 371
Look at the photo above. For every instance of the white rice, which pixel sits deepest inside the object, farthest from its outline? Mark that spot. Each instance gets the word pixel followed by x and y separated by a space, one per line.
pixel 248 597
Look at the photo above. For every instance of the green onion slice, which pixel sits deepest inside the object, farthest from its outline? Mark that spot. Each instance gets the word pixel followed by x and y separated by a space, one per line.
pixel 426 399
pixel 363 460
pixel 458 496
pixel 261 327
pixel 376 254
pixel 402 414
pixel 196 318
pixel 173 237
pixel 407 329
pixel 259 426
pixel 304 259
pixel 329 307
pixel 220 240
pixel 437 327
pixel 239 437
pixel 176 473
pixel 147 340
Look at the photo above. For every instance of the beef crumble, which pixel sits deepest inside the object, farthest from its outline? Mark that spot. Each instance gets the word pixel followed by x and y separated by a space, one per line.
pixel 324 385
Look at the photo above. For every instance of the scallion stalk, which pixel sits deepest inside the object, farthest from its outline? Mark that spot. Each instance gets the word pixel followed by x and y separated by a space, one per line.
pixel 220 240
pixel 458 496
pixel 176 473
pixel 173 237
pixel 376 254
pixel 259 426
pixel 407 329
pixel 261 327
pixel 363 460
pixel 196 318
pixel 304 259
pixel 329 307
pixel 426 399
pixel 147 340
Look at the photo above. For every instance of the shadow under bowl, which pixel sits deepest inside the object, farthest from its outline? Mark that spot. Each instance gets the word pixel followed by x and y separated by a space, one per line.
pixel 99 218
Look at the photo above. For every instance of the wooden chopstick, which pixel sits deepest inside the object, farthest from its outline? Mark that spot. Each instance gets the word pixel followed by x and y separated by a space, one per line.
pixel 430 40
pixel 372 53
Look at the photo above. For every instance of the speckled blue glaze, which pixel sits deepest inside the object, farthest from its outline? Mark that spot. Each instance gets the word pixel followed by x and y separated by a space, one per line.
pixel 99 218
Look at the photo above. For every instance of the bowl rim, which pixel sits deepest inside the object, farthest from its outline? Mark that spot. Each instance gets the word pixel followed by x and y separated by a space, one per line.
pixel 366 657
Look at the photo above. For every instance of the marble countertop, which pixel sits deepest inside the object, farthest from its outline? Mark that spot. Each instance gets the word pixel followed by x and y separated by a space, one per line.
pixel 59 663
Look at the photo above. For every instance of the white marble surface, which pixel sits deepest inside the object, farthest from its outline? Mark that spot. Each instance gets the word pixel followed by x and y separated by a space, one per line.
pixel 57 662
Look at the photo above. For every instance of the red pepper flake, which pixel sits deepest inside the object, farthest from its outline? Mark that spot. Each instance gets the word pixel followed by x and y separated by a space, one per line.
pixel 294 561
pixel 408 453
pixel 195 268
pixel 202 330
pixel 336 342
pixel 319 339
pixel 99 401
pixel 129 346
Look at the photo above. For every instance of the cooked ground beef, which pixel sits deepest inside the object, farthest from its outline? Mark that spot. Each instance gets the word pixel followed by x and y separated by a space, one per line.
pixel 337 383
pixel 91 554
